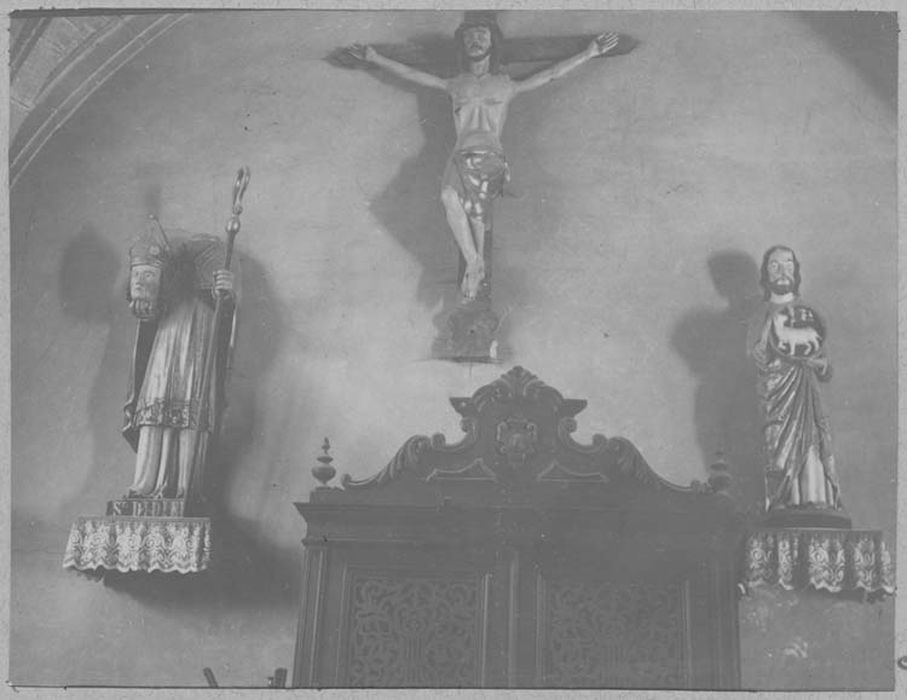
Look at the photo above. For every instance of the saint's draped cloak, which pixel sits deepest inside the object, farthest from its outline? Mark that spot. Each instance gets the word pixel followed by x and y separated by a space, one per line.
pixel 166 371
pixel 797 437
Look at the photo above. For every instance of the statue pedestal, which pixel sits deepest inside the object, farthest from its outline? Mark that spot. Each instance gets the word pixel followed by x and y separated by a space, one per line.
pixel 834 560
pixel 470 334
pixel 140 535
pixel 138 544
pixel 472 324
pixel 808 517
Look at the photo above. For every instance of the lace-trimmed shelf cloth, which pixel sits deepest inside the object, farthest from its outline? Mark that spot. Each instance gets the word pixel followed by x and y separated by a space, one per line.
pixel 823 559
pixel 128 543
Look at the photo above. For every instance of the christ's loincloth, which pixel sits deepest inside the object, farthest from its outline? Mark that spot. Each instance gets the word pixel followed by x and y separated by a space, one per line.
pixel 478 176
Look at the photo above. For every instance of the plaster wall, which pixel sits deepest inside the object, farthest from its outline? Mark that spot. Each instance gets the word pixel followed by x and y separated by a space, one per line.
pixel 647 188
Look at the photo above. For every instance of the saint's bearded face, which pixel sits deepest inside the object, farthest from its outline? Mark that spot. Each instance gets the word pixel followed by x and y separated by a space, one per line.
pixel 781 272
pixel 477 43
pixel 144 290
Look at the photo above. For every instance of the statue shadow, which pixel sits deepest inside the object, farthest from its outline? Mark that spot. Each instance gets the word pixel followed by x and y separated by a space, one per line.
pixel 713 344
pixel 259 334
pixel 244 575
pixel 257 568
pixel 89 270
pixel 93 294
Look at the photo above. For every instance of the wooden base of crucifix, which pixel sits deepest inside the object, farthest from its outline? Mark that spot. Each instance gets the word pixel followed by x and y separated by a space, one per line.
pixel 471 326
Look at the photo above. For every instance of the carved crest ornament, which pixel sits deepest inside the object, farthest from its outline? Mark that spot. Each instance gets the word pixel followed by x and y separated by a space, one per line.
pixel 518 432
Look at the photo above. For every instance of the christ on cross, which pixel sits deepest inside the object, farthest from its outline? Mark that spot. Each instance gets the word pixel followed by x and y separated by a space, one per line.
pixel 480 95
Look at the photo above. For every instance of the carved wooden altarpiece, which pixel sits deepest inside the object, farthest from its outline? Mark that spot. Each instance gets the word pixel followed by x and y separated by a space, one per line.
pixel 518 557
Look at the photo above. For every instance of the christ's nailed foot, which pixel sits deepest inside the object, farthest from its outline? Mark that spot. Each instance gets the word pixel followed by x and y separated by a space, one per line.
pixel 472 279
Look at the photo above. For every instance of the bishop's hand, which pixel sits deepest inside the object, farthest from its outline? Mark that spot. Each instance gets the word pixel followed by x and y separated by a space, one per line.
pixel 223 283
pixel 362 52
pixel 602 44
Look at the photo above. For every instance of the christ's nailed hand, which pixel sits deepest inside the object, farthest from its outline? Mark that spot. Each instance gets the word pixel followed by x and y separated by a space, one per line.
pixel 362 52
pixel 603 43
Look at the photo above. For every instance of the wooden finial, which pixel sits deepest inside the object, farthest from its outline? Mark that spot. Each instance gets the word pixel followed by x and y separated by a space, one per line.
pixel 719 474
pixel 324 472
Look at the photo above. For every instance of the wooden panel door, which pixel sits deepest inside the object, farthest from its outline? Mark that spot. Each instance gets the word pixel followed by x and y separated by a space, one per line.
pixel 398 616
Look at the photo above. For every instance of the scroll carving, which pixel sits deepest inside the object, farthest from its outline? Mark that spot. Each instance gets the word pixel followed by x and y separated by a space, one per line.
pixel 406 459
pixel 414 631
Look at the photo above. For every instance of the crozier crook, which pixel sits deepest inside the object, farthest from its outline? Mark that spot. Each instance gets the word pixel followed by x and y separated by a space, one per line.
pixel 232 229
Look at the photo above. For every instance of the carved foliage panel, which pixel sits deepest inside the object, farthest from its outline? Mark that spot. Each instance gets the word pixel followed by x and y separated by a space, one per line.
pixel 594 634
pixel 407 629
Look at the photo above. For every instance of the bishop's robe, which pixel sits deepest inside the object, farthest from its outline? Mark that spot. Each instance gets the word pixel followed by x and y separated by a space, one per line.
pixel 167 384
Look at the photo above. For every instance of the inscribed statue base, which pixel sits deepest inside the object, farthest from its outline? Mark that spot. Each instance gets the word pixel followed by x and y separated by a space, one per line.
pixel 138 544
pixel 808 517
pixel 149 507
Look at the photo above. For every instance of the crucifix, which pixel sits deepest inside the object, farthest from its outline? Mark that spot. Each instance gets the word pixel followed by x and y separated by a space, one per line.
pixel 477 170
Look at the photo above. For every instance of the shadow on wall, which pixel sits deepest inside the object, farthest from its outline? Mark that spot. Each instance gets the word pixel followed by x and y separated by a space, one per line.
pixel 91 294
pixel 410 207
pixel 713 344
pixel 87 277
pixel 255 566
pixel 868 41
pixel 243 575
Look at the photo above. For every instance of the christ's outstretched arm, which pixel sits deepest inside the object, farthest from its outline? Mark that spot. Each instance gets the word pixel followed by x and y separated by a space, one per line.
pixel 598 47
pixel 364 52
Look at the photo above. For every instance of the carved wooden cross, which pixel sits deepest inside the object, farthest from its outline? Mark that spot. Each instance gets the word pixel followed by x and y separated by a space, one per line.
pixel 436 53
pixel 473 329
